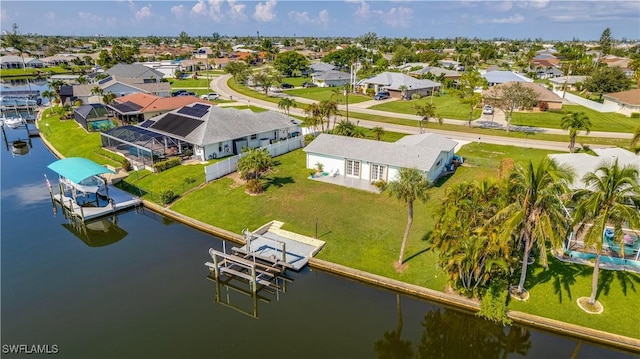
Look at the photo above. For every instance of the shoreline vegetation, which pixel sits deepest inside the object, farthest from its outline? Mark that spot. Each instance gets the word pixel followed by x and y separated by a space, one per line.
pixel 371 247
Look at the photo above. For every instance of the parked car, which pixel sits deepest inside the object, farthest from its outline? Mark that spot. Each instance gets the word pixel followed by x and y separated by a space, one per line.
pixel 187 93
pixel 309 84
pixel 382 95
pixel 210 96
pixel 178 92
pixel 275 89
pixel 286 86
pixel 487 110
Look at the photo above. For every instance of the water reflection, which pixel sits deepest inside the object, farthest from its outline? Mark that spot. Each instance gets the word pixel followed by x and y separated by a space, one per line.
pixel 97 233
pixel 452 334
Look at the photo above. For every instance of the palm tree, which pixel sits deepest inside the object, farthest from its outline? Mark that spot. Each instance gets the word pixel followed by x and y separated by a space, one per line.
pixel 108 97
pixel 48 95
pixel 403 89
pixel 536 211
pixel 327 109
pixel 635 141
pixel 610 198
pixel 344 128
pixel 97 90
pixel 410 186
pixel 427 112
pixel 286 103
pixel 378 133
pixel 55 86
pixel 575 122
pixel 314 116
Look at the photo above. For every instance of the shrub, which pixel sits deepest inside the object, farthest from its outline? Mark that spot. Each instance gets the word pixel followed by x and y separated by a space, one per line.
pixel 494 304
pixel 189 180
pixel 126 165
pixel 308 139
pixel 167 197
pixel 380 184
pixel 254 186
pixel 543 106
pixel 635 114
pixel 165 165
pixel 416 96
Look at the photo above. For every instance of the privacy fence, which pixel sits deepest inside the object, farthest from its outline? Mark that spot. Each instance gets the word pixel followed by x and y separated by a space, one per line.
pixel 230 164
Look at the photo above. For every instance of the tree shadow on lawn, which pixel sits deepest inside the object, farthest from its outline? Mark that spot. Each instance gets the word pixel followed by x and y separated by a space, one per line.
pixel 425 238
pixel 626 280
pixel 278 181
pixel 562 274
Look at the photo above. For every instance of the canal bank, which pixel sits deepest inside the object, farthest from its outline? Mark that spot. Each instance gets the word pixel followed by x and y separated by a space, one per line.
pixel 441 297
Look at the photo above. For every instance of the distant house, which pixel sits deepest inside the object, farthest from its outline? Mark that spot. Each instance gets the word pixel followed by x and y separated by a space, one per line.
pixel 559 83
pixel 140 72
pixel 137 107
pixel 330 78
pixel 616 61
pixel 119 87
pixel 547 99
pixel 395 82
pixel 436 72
pixel 628 102
pixel 499 77
pixel 371 161
pixel 16 62
pixel 167 68
pixel 322 67
pixel 207 130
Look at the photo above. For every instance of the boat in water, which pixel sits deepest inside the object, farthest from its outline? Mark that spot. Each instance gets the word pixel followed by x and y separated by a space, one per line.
pixel 13 122
pixel 17 102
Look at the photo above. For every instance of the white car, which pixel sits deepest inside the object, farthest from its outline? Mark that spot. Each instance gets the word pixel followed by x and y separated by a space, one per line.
pixel 487 110
pixel 210 96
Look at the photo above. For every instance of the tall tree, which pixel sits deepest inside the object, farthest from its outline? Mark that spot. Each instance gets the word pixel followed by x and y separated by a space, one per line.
pixel 285 103
pixel 607 80
pixel 466 91
pixel 510 97
pixel 237 69
pixel 610 198
pixel 575 122
pixel 635 141
pixel 98 91
pixel 410 186
pixel 536 211
pixel 427 112
pixel 606 41
pixel 290 63
pixel 13 39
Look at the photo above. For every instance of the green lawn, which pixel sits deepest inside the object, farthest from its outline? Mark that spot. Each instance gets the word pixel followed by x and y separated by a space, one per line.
pixel 607 122
pixel 71 140
pixel 363 231
pixel 325 93
pixel 201 82
pixel 296 81
pixel 447 106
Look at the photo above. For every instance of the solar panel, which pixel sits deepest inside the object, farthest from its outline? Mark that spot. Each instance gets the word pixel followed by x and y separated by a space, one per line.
pixel 147 123
pixel 202 106
pixel 177 125
pixel 195 111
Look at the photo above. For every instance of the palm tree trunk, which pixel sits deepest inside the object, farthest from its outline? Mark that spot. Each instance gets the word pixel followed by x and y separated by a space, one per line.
pixel 594 280
pixel 406 232
pixel 572 144
pixel 525 264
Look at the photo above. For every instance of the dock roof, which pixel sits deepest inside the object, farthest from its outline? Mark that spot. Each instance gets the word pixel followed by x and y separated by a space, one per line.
pixel 77 169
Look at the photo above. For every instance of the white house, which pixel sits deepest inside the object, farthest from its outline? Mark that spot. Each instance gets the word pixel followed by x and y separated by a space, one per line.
pixel 370 161
pixel 582 163
pixel 215 132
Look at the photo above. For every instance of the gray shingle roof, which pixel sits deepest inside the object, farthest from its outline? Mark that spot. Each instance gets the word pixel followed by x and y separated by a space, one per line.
pixel 222 124
pixel 416 151
pixel 333 75
pixel 504 76
pixel 394 80
pixel 133 71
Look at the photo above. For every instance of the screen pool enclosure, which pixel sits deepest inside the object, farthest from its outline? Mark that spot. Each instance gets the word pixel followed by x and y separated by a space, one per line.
pixel 141 145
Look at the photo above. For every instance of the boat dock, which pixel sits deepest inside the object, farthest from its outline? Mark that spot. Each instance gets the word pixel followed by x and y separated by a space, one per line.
pixel 267 254
pixel 119 200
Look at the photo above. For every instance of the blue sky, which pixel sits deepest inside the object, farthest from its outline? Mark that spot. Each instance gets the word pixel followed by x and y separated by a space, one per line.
pixel 546 19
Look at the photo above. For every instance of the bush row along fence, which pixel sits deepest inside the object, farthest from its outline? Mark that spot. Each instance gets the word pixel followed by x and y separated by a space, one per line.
pixel 588 103
pixel 230 165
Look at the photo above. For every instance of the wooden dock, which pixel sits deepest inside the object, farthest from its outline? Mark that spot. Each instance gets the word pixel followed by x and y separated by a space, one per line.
pixel 119 200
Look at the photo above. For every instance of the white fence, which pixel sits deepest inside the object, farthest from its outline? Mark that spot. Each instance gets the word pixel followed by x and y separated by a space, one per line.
pixel 229 165
pixel 596 106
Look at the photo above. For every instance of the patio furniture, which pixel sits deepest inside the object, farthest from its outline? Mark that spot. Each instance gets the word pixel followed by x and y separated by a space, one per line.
pixel 628 240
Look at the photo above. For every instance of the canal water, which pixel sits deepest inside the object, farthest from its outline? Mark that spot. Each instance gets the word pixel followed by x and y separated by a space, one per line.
pixel 136 287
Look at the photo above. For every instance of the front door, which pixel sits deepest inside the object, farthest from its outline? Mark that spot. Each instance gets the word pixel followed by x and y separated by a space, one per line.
pixel 353 168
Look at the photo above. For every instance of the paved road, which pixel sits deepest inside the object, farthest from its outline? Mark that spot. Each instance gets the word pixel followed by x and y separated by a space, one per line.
pixel 219 85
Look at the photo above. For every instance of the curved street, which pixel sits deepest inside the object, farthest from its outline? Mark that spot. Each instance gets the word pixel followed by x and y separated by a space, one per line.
pixel 219 85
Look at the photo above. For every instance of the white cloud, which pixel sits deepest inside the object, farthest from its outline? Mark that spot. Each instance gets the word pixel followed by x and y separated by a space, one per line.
pixel 265 12
pixel 534 4
pixel 363 10
pixel 396 17
pixel 236 11
pixel 143 13
pixel 503 6
pixel 178 11
pixel 200 8
pixel 514 19
pixel 302 17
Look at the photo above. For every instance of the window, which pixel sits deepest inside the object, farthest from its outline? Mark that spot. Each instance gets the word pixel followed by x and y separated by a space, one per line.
pixel 353 168
pixel 439 162
pixel 378 172
pixel 254 136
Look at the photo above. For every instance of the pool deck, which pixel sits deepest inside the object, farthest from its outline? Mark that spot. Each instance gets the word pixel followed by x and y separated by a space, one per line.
pixel 346 181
